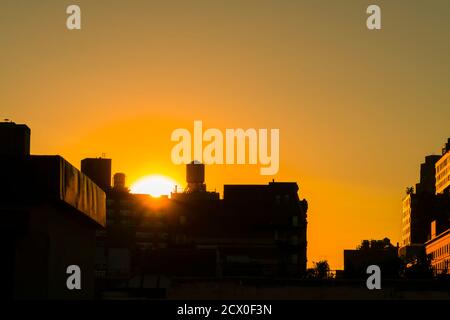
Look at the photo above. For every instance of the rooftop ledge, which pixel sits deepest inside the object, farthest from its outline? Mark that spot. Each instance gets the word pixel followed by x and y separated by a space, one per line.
pixel 37 179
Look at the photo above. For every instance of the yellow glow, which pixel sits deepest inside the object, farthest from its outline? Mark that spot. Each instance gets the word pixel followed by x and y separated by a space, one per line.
pixel 154 185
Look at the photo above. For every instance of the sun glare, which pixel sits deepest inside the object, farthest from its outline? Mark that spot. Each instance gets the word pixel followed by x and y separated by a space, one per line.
pixel 154 185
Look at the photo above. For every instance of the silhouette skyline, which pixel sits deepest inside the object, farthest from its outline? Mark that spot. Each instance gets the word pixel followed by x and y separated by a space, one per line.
pixel 357 110
pixel 136 246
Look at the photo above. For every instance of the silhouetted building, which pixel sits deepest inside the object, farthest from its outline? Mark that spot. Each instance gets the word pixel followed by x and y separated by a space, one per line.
pixel 273 218
pixel 50 212
pixel 430 203
pixel 443 170
pixel 374 252
pixel 438 247
pixel 255 231
pixel 418 212
pixel 130 244
pixel 417 209
pixel 98 170
pixel 422 207
pixel 15 139
pixel 427 182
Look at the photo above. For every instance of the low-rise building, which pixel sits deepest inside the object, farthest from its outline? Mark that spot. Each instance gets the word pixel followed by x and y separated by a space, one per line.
pixel 438 247
pixel 256 231
pixel 374 252
pixel 50 213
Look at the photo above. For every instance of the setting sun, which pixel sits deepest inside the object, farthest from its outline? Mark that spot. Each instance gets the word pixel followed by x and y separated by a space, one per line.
pixel 154 185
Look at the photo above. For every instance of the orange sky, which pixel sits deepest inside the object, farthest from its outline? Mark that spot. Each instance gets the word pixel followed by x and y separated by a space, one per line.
pixel 357 110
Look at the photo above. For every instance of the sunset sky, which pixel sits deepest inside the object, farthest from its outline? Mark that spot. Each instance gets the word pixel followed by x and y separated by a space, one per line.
pixel 357 110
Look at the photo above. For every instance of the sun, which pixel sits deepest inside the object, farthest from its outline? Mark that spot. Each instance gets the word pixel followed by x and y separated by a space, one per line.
pixel 154 185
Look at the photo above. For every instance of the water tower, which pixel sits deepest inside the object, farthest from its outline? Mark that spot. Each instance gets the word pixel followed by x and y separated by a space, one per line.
pixel 119 180
pixel 195 177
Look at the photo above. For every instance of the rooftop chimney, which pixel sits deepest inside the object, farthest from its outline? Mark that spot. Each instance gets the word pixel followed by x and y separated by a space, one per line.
pixel 14 139
pixel 98 170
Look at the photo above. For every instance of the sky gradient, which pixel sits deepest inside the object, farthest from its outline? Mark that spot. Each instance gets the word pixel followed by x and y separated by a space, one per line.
pixel 357 110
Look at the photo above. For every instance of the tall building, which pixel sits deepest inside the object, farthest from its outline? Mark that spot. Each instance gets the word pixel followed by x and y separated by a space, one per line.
pixel 418 211
pixel 427 182
pixel 416 218
pixel 443 170
pixel 438 245
pixel 429 203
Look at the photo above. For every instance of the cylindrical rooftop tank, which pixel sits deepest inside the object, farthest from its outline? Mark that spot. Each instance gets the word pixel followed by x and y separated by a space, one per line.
pixel 195 172
pixel 119 180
